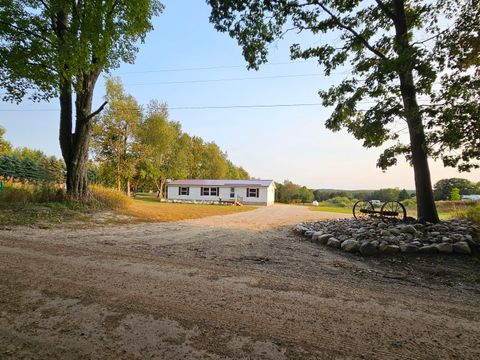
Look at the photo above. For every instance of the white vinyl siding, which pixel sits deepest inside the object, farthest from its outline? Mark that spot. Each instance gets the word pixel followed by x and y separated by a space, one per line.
pixel 199 193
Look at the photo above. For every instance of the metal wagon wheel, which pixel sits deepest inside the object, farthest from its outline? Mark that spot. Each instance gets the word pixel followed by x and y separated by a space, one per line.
pixel 363 209
pixel 393 210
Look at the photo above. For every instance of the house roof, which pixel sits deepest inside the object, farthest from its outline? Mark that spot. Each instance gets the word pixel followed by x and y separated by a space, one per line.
pixel 231 183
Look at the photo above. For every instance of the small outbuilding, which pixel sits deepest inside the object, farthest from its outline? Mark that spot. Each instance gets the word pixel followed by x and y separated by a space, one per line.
pixel 248 192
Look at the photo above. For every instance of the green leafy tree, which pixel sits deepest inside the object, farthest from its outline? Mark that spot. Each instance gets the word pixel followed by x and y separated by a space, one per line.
pixel 114 137
pixel 305 195
pixel 157 137
pixel 54 48
pixel 455 194
pixel 5 146
pixel 403 195
pixel 454 121
pixel 214 163
pixel 288 192
pixel 443 188
pixel 385 195
pixel 384 42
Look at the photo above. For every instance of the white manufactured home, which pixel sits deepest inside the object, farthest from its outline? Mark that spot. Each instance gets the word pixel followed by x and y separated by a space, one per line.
pixel 248 192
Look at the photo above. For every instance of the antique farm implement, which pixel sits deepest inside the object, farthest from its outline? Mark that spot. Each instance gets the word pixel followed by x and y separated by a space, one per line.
pixel 390 210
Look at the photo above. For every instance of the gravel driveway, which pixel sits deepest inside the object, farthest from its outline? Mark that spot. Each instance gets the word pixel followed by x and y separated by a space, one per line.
pixel 225 287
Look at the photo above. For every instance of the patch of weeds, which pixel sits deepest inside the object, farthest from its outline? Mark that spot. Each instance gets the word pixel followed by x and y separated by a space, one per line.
pixel 28 214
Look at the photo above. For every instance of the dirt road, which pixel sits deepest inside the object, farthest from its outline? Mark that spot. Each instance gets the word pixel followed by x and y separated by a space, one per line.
pixel 229 287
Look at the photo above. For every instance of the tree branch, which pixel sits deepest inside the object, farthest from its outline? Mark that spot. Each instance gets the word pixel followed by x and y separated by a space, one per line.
pixel 386 10
pixel 96 112
pixel 45 66
pixel 352 31
pixel 26 31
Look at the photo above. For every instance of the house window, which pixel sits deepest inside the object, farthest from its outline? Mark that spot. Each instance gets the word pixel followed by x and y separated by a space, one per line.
pixel 232 193
pixel 183 191
pixel 252 192
pixel 207 191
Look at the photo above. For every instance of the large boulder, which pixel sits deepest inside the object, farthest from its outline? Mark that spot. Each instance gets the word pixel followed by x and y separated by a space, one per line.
pixel 332 242
pixel 429 249
pixel 409 248
pixel 408 229
pixel 322 239
pixel 444 248
pixel 461 247
pixel 368 249
pixel 382 225
pixel 389 249
pixel 350 245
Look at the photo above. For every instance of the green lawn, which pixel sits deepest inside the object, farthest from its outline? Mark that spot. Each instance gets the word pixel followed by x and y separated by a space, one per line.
pixel 347 210
pixel 342 210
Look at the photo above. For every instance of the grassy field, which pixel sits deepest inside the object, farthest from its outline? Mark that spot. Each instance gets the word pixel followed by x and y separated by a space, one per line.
pixel 19 207
pixel 147 207
pixel 446 209
pixel 334 209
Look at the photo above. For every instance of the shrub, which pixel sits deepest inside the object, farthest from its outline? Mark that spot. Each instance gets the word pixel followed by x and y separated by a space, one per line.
pixel 341 201
pixel 472 214
pixel 410 203
pixel 110 198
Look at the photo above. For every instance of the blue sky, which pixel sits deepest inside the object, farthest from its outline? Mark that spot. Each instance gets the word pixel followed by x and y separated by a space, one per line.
pixel 273 143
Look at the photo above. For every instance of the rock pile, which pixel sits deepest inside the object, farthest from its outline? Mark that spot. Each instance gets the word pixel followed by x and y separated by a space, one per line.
pixel 372 237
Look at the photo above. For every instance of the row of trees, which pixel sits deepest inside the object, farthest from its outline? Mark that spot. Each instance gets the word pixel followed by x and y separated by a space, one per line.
pixel 136 147
pixel 29 166
pixel 443 189
pixel 289 193
pixel 388 194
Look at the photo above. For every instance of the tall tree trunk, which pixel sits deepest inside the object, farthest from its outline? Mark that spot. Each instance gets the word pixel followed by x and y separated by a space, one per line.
pixel 426 209
pixel 119 182
pixel 75 145
pixel 81 137
pixel 128 187
pixel 65 135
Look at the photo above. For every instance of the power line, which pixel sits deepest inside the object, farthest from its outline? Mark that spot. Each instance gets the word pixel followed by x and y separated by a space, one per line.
pixel 207 68
pixel 225 79
pixel 247 106
pixel 243 106
pixel 206 107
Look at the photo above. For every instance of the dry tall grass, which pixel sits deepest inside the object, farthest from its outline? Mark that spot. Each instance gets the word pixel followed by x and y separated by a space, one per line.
pixel 149 208
pixel 148 211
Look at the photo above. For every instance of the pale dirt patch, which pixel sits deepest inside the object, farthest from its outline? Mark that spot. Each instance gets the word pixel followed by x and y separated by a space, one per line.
pixel 240 286
pixel 268 217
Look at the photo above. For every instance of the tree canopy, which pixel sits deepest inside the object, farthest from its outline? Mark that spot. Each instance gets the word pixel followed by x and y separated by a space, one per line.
pixel 443 188
pixel 142 147
pixel 54 48
pixel 387 46
pixel 5 146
